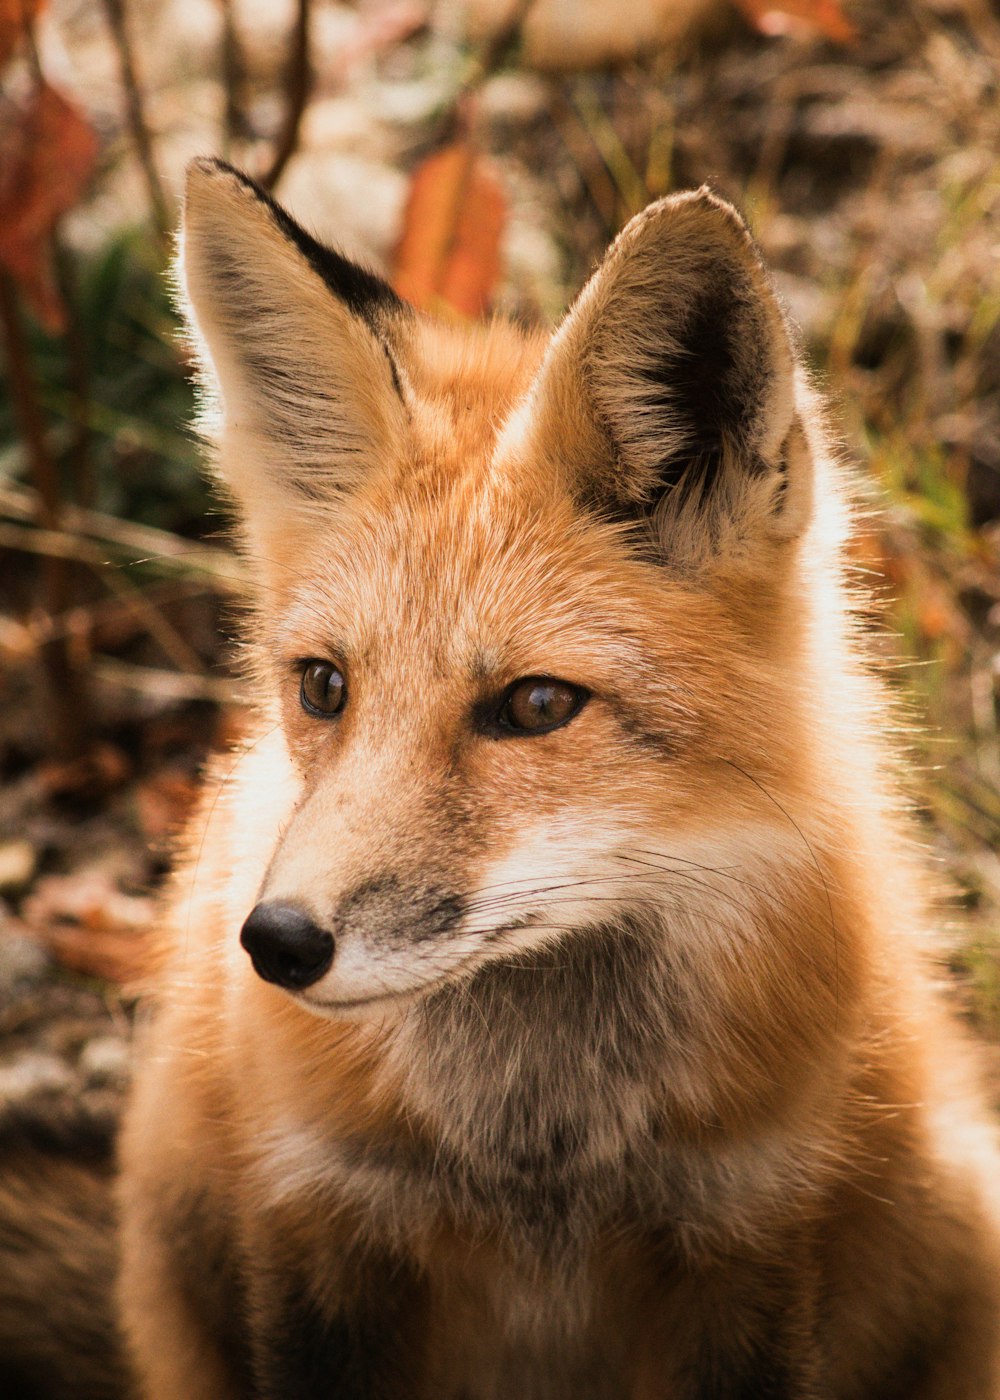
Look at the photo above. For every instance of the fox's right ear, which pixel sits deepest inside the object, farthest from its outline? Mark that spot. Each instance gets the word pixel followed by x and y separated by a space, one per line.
pixel 296 349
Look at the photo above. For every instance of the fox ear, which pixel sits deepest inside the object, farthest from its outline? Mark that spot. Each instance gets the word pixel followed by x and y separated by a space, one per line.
pixel 675 368
pixel 295 343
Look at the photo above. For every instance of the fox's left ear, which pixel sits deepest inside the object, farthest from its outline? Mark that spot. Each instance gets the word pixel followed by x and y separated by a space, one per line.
pixel 669 390
pixel 296 349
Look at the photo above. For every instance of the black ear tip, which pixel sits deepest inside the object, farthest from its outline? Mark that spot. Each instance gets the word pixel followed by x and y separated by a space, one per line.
pixel 364 292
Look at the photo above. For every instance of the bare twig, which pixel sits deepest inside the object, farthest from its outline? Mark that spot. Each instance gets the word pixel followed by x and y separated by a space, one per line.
pixel 78 367
pixel 66 690
pixel 51 544
pixel 81 527
pixel 169 685
pixel 236 124
pixel 23 639
pixel 631 187
pixel 497 48
pixel 590 166
pixel 298 83
pixel 136 114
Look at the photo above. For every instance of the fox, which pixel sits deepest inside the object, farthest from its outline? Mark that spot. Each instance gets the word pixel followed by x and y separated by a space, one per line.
pixel 546 1005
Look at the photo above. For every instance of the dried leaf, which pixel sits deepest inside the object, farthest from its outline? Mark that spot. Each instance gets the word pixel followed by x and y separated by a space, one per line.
pixel 90 925
pixel 16 17
pixel 100 770
pixel 449 251
pixel 90 898
pixel 47 154
pixel 116 955
pixel 825 17
pixel 165 802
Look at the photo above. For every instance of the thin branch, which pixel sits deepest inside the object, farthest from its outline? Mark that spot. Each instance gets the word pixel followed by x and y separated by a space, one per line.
pixel 68 717
pixel 24 401
pixel 155 546
pixel 169 685
pixel 497 48
pixel 136 115
pixel 79 373
pixel 236 124
pixel 115 610
pixel 298 84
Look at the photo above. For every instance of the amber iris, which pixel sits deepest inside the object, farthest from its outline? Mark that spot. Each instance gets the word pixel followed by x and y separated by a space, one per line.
pixel 538 704
pixel 323 690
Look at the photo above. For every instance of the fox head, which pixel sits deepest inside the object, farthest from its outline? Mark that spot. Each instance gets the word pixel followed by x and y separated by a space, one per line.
pixel 534 613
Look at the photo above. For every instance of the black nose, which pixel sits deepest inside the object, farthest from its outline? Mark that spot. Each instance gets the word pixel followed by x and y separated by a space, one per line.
pixel 285 946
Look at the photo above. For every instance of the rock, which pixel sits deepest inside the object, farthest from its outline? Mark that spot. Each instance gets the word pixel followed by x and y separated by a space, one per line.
pixel 105 1060
pixel 32 1074
pixel 17 865
pixel 24 963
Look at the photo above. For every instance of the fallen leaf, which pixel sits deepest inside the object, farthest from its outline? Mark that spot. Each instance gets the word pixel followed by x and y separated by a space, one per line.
pixel 114 956
pixel 89 898
pixel 90 925
pixel 775 17
pixel 449 251
pixel 165 801
pixel 16 17
pixel 47 153
pixel 101 769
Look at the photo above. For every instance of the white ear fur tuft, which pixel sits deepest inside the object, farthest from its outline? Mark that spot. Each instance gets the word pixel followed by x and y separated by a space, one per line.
pixel 294 342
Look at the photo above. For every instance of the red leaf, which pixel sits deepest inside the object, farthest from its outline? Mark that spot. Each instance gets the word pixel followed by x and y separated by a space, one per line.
pixel 449 251
pixel 16 17
pixel 824 17
pixel 47 154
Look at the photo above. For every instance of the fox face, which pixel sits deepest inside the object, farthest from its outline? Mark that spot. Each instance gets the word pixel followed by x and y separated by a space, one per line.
pixel 529 611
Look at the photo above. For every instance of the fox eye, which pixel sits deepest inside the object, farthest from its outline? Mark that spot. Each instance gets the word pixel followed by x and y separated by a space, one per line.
pixel 537 704
pixel 323 690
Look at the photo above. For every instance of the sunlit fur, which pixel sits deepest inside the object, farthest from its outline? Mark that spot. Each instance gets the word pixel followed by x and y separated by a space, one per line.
pixel 626 1056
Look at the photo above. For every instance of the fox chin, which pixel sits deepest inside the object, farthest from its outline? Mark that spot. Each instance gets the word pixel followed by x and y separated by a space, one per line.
pixel 540 1009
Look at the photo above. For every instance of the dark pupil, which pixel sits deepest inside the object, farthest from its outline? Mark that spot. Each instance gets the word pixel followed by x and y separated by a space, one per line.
pixel 540 703
pixel 323 687
pixel 542 700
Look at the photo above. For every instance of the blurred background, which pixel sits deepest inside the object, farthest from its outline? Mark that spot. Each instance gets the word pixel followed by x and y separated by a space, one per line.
pixel 481 155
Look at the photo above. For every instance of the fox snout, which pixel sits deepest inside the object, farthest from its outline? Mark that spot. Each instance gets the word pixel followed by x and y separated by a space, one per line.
pixel 289 948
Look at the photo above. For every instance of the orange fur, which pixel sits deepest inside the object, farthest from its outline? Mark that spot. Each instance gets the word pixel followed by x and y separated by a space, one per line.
pixel 625 1079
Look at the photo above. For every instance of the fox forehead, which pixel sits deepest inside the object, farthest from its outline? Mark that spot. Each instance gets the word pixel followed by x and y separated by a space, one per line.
pixel 476 580
pixel 471 553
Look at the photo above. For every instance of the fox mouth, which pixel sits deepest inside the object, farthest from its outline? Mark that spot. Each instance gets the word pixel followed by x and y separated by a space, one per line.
pixel 412 993
pixel 418 991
